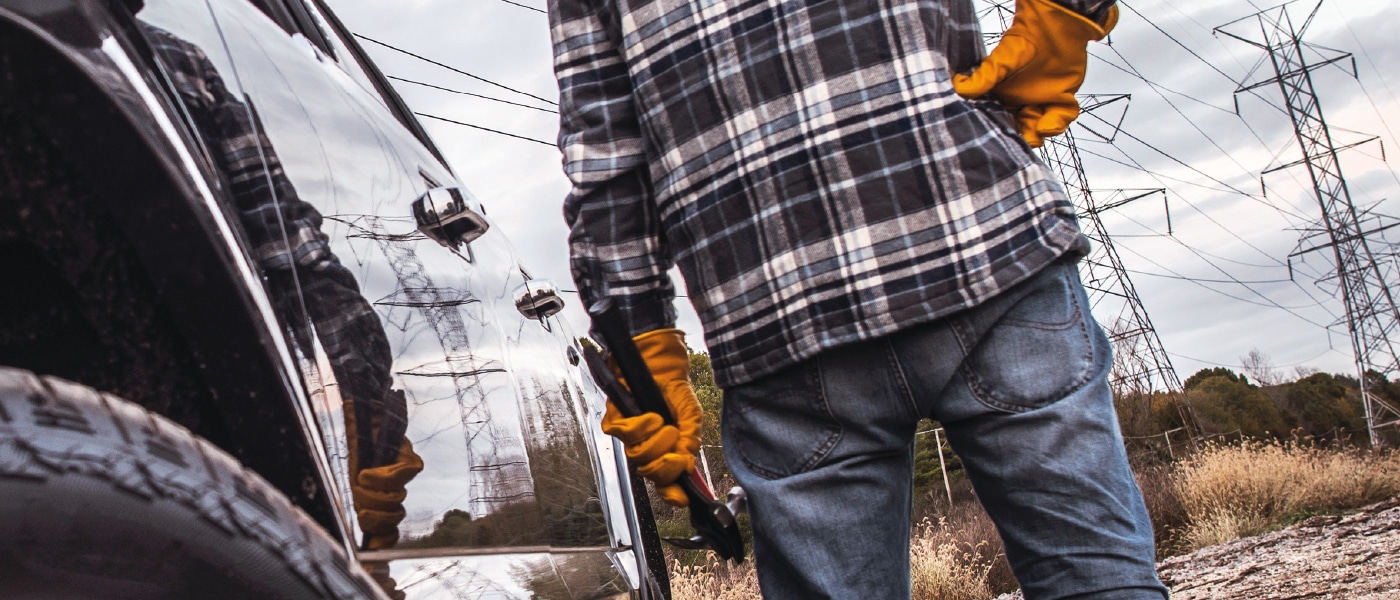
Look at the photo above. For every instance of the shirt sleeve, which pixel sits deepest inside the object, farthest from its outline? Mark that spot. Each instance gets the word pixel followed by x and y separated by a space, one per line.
pixel 617 246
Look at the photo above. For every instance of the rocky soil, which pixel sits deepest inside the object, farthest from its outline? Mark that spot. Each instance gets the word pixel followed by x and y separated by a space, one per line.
pixel 1351 557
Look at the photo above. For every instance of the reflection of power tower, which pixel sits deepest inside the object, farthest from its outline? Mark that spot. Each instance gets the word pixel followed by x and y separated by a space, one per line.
pixel 462 581
pixel 1371 315
pixel 495 479
pixel 1141 366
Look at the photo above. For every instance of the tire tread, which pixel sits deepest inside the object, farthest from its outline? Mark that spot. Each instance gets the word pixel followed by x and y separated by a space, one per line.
pixel 50 427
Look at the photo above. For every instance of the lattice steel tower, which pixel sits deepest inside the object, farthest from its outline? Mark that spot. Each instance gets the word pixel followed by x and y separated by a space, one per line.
pixel 1371 315
pixel 1140 365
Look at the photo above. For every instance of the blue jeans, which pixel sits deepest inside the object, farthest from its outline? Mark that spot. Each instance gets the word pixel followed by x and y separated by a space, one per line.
pixel 825 451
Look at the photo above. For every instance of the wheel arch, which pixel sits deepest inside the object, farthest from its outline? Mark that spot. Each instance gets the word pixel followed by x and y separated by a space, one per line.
pixel 151 192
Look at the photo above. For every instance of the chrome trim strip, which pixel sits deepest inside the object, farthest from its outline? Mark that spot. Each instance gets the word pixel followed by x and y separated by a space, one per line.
pixel 113 49
pixel 387 555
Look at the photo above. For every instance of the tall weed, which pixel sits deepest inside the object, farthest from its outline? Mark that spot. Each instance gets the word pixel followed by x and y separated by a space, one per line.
pixel 944 568
pixel 714 580
pixel 1230 491
pixel 944 565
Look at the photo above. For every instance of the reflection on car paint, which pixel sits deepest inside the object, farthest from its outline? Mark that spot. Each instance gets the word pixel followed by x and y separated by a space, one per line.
pixel 390 325
pixel 303 276
pixel 576 576
pixel 491 403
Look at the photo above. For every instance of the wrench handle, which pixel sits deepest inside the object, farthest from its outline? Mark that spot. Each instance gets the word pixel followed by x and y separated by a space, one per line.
pixel 608 323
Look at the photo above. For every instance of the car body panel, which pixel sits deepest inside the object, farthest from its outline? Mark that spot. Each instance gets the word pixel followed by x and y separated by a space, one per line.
pixel 518 482
pixel 164 192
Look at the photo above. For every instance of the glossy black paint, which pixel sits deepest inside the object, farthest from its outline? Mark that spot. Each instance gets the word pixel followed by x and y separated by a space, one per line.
pixel 519 486
pixel 114 144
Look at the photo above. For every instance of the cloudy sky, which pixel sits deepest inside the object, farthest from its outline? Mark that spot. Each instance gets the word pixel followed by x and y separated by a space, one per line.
pixel 1220 285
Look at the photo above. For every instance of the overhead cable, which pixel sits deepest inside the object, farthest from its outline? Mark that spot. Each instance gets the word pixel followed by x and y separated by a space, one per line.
pixel 1187 278
pixel 519 137
pixel 493 99
pixel 1268 303
pixel 1223 364
pixel 455 69
pixel 1155 88
pixel 525 7
pixel 1208 217
pixel 1235 280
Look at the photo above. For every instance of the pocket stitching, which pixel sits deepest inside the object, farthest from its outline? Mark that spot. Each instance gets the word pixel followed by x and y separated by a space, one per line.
pixel 988 397
pixel 817 455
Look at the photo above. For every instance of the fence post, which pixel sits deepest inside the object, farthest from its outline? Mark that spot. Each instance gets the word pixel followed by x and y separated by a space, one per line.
pixel 942 468
pixel 705 464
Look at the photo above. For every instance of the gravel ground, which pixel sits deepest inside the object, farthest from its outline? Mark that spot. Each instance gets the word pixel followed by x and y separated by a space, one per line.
pixel 1351 557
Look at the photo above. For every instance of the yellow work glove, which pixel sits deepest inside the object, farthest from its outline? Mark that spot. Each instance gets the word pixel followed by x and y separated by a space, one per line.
pixel 1038 66
pixel 379 493
pixel 662 453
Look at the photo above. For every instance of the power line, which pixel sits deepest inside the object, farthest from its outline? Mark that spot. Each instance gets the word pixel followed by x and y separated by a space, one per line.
pixel 525 7
pixel 1196 279
pixel 1268 304
pixel 455 69
pixel 1212 66
pixel 1199 254
pixel 1222 364
pixel 519 137
pixel 491 98
pixel 686 296
pixel 1183 115
pixel 1158 177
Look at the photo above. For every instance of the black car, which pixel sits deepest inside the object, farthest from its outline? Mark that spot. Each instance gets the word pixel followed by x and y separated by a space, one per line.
pixel 257 341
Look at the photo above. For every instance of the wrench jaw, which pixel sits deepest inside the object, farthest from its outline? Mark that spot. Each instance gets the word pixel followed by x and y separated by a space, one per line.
pixel 715 530
pixel 715 526
pixel 737 501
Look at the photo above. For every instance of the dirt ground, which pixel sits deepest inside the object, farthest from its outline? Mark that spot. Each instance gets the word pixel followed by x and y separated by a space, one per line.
pixel 1351 557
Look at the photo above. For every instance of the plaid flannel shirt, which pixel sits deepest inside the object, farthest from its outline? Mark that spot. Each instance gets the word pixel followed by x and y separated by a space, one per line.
pixel 806 163
pixel 283 232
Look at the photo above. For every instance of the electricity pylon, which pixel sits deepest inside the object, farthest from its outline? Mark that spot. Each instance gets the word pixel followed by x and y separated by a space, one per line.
pixel 1141 365
pixel 1371 315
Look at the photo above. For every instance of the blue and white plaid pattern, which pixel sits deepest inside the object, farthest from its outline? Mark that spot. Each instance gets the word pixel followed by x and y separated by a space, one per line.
pixel 282 231
pixel 806 163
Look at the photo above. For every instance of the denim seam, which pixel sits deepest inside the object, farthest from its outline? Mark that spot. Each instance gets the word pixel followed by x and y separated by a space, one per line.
pixel 825 449
pixel 986 396
pixel 817 455
pixel 900 381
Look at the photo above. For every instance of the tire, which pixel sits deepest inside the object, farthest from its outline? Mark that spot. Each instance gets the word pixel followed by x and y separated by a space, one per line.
pixel 101 499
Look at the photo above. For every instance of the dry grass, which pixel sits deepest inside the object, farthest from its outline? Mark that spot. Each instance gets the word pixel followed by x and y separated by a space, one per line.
pixel 1216 495
pixel 714 580
pixel 1158 485
pixel 1231 491
pixel 943 567
pixel 947 562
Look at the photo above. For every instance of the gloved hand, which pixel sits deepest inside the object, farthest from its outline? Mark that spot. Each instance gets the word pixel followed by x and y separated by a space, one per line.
pixel 662 453
pixel 1038 66
pixel 379 493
